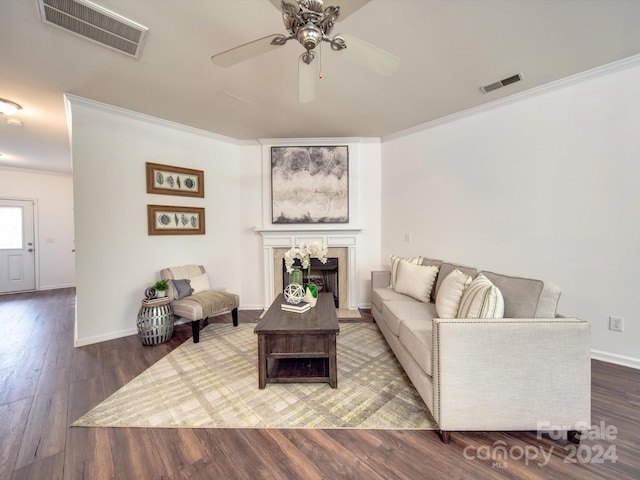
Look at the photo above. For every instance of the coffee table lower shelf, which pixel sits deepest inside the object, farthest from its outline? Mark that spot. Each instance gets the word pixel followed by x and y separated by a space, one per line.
pixel 278 352
pixel 295 369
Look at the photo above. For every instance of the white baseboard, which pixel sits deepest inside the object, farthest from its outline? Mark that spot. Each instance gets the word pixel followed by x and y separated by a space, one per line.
pixel 81 342
pixel 617 359
pixel 56 287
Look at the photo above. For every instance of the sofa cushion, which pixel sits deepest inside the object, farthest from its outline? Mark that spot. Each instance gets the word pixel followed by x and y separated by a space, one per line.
pixel 431 261
pixel 416 335
pixel 416 280
pixel 395 262
pixel 396 312
pixel 481 299
pixel 526 297
pixel 451 290
pixel 379 296
pixel 446 268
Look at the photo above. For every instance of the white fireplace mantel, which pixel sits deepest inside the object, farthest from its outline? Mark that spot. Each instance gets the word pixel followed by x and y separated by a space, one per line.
pixel 287 237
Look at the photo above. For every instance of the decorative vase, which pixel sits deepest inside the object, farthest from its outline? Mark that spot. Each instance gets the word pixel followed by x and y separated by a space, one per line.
pixel 311 294
pixel 161 293
pixel 295 276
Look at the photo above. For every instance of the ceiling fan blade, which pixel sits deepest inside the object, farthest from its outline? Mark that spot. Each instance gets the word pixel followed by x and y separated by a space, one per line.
pixel 307 79
pixel 278 3
pixel 369 56
pixel 246 51
pixel 347 7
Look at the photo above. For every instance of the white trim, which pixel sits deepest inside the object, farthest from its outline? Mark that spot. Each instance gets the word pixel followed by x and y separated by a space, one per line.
pixel 320 141
pixel 516 97
pixel 615 358
pixel 104 338
pixel 57 287
pixel 35 171
pixel 272 239
pixel 75 100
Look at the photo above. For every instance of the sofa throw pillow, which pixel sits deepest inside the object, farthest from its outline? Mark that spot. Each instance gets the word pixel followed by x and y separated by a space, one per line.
pixel 481 299
pixel 450 293
pixel 183 287
pixel 416 280
pixel 395 261
pixel 200 283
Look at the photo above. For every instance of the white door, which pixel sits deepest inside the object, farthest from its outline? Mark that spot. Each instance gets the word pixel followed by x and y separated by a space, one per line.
pixel 17 249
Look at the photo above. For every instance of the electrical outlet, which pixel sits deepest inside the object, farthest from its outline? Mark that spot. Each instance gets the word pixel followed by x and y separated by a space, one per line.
pixel 616 324
pixel 407 237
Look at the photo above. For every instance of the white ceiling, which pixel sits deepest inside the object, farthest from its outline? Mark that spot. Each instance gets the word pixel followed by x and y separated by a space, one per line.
pixel 448 49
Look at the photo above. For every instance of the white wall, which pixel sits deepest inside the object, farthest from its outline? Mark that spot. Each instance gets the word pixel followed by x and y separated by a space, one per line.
pixel 546 187
pixel 116 258
pixel 53 196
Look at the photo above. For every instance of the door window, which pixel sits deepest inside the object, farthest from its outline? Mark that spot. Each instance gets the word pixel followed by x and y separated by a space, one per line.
pixel 11 233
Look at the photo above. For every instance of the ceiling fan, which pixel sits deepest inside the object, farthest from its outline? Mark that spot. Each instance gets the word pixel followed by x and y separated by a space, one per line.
pixel 311 23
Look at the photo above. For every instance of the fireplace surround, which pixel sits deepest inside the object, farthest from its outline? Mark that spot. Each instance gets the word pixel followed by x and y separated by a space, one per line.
pixel 342 245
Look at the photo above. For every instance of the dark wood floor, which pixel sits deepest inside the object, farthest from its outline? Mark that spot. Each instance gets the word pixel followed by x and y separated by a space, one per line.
pixel 46 384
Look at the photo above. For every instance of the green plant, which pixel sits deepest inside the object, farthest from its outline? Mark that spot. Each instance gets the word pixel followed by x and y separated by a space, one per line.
pixel 161 285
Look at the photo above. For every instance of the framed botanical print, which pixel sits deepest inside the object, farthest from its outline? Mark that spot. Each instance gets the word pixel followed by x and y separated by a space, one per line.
pixel 168 220
pixel 168 180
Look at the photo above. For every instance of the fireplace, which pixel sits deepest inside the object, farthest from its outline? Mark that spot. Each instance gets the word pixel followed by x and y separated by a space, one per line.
pixel 341 243
pixel 323 275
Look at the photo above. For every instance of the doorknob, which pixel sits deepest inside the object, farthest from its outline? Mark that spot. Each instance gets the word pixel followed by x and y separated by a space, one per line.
pixel 30 250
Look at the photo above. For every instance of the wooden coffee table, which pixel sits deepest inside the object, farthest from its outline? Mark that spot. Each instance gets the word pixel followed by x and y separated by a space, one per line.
pixel 286 337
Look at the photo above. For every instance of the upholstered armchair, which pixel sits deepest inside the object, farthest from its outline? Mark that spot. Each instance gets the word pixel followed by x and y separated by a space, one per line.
pixel 193 299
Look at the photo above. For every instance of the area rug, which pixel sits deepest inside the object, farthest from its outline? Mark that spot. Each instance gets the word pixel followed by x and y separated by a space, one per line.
pixel 214 384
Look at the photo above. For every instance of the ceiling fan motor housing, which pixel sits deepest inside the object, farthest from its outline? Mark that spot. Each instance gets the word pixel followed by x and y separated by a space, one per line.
pixel 309 36
pixel 309 22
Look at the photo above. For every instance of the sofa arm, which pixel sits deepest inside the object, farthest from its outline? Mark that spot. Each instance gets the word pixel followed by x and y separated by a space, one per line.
pixel 380 279
pixel 512 374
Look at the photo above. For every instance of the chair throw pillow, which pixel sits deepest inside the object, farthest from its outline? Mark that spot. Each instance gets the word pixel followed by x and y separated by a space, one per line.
pixel 416 280
pixel 481 299
pixel 183 287
pixel 395 261
pixel 200 283
pixel 450 293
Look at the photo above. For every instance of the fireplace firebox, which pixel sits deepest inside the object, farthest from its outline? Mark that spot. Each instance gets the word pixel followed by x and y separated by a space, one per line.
pixel 323 275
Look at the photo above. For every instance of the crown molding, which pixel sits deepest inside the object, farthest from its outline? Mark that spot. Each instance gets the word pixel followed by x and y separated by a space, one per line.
pixel 35 171
pixel 71 100
pixel 320 141
pixel 517 97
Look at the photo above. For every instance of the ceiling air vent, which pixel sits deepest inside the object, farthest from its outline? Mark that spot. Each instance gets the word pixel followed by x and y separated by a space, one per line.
pixel 501 83
pixel 95 23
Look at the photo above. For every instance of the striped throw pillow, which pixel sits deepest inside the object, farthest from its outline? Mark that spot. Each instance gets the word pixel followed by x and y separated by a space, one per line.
pixel 395 261
pixel 450 293
pixel 481 299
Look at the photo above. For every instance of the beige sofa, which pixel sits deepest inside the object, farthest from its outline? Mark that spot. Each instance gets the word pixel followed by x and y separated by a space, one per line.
pixel 527 371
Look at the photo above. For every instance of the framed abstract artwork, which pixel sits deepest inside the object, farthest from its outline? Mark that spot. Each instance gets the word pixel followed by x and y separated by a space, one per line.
pixel 168 220
pixel 310 184
pixel 168 180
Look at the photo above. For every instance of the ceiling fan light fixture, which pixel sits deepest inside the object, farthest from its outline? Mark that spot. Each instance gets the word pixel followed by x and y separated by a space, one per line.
pixel 7 107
